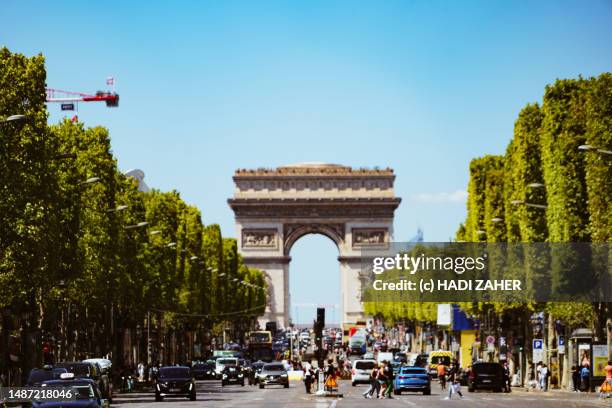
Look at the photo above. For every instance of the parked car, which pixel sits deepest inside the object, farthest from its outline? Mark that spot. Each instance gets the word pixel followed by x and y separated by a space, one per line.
pixel 175 381
pixel 273 373
pixel 412 379
pixel 361 371
pixel 88 394
pixel 486 376
pixel 39 375
pixel 89 370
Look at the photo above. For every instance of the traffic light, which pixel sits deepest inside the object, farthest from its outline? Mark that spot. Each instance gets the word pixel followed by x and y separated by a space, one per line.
pixel 321 317
pixel 318 328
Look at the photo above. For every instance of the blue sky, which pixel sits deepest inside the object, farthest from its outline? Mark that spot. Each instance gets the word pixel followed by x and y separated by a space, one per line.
pixel 208 87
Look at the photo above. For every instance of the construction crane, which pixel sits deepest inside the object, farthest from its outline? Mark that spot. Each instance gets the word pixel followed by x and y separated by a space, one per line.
pixel 69 98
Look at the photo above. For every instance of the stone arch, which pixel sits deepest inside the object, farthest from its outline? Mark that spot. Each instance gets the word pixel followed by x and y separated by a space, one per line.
pixel 274 208
pixel 293 232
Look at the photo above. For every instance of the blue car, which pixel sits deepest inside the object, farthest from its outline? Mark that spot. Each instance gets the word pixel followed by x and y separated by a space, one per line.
pixel 88 394
pixel 410 378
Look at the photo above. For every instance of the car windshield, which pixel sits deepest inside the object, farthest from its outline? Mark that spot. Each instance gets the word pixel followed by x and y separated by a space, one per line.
pixel 413 370
pixel 79 370
pixel 227 361
pixel 365 365
pixel 274 367
pixel 201 366
pixel 174 372
pixel 84 392
pixel 487 368
pixel 440 360
pixel 37 376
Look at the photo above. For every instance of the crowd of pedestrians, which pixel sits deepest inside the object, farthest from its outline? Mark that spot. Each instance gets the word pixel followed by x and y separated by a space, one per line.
pixel 381 381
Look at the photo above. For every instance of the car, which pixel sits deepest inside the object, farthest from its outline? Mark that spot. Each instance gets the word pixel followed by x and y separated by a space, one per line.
pixel 39 375
pixel 222 362
pixel 175 381
pixel 89 370
pixel 400 357
pixel 361 371
pixel 368 356
pixel 232 374
pixel 395 366
pixel 413 379
pixel 203 371
pixel 273 373
pixel 357 344
pixel 88 393
pixel 486 376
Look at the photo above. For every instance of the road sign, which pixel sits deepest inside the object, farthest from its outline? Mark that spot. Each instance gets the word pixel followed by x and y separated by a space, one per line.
pixel 444 315
pixel 502 341
pixel 537 350
pixel 561 345
pixel 490 340
pixel 67 106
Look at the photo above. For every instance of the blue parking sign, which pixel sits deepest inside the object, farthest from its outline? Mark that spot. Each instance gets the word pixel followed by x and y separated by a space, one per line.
pixel 538 344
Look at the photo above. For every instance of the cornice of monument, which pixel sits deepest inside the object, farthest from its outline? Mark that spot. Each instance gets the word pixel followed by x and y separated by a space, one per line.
pixel 312 169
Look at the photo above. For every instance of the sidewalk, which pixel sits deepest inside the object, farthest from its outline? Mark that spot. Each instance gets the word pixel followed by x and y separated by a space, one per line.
pixel 565 394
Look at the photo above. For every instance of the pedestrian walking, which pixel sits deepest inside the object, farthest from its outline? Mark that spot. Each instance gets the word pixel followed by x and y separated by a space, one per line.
pixel 308 377
pixel 454 386
pixel 382 380
pixel 506 377
pixel 585 378
pixel 544 373
pixel 389 375
pixel 441 369
pixel 606 387
pixel 373 383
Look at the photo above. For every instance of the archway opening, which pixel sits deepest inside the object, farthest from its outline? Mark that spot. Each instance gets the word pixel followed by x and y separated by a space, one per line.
pixel 314 280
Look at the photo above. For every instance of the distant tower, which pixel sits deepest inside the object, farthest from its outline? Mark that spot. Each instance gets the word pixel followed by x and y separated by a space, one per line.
pixel 418 237
pixel 138 175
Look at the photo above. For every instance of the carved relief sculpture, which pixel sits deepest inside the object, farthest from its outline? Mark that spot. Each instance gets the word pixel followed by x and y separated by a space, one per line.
pixel 369 236
pixel 260 238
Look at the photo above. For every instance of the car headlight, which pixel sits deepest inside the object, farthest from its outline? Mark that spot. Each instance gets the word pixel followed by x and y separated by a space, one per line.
pixel 157 386
pixel 283 375
pixel 224 375
pixel 240 375
pixel 190 386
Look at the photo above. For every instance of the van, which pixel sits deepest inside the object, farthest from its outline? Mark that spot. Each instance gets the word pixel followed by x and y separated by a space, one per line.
pixel 384 356
pixel 357 344
pixel 438 357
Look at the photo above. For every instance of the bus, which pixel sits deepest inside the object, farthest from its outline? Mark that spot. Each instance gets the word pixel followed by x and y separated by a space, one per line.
pixel 348 329
pixel 260 346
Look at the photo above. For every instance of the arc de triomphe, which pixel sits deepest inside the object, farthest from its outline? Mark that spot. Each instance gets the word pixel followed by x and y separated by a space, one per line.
pixel 275 207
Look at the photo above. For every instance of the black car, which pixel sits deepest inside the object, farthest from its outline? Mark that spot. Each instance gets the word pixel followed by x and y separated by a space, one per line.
pixel 88 394
pixel 89 370
pixel 38 375
pixel 175 381
pixel 273 373
pixel 486 376
pixel 232 375
pixel 203 371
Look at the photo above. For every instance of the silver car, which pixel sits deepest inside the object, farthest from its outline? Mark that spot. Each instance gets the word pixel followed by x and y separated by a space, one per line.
pixel 361 371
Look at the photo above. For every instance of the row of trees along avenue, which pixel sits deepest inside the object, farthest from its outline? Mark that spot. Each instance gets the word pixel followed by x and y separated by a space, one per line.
pixel 90 265
pixel 553 184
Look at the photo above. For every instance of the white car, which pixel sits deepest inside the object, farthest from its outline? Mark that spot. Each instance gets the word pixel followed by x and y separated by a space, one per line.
pixel 361 371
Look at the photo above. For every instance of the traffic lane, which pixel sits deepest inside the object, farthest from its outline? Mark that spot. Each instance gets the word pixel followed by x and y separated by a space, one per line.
pixel 212 394
pixel 518 398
